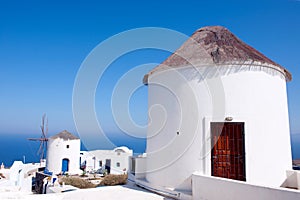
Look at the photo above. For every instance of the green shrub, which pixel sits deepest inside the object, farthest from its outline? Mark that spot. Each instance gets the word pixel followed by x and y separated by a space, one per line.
pixel 112 179
pixel 83 174
pixel 77 182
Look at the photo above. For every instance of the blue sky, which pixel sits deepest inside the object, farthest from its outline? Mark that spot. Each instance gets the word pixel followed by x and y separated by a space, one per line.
pixel 43 43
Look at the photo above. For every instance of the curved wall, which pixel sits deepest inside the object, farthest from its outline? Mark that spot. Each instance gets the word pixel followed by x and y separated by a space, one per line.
pixel 183 102
pixel 59 149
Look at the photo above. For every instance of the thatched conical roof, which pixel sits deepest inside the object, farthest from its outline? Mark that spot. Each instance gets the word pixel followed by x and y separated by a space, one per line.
pixel 65 135
pixel 216 45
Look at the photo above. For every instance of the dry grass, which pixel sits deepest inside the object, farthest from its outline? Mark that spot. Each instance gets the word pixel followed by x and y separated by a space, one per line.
pixel 77 182
pixel 112 179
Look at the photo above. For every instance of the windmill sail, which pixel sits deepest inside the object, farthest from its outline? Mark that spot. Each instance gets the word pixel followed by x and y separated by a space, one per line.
pixel 43 139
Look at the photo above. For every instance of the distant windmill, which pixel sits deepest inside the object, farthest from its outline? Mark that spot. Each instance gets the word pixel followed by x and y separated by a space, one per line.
pixel 43 139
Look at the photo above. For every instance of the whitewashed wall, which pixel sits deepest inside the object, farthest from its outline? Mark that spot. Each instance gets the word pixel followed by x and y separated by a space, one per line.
pixel 186 101
pixel 140 167
pixel 57 150
pixel 292 180
pixel 214 188
pixel 18 177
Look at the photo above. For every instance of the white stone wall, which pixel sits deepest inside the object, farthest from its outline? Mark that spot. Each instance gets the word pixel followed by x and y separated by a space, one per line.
pixel 183 103
pixel 57 150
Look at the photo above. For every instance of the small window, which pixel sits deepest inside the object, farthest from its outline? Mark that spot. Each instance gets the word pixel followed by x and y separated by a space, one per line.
pixel 118 164
pixel 68 146
pixel 118 153
pixel 100 163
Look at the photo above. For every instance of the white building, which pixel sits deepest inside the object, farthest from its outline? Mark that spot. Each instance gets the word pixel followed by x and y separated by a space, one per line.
pixel 115 161
pixel 18 178
pixel 218 108
pixel 63 153
pixel 64 156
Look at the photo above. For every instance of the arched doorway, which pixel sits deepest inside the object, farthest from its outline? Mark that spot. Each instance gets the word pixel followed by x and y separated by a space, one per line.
pixel 65 165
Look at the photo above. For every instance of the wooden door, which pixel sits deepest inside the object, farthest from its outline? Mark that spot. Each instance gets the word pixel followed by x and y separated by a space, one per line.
pixel 228 152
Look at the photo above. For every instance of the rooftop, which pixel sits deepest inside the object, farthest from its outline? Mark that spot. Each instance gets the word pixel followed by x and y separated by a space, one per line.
pixel 65 135
pixel 216 45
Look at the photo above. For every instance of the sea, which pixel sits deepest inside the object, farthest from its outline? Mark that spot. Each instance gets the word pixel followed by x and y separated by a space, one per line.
pixel 18 147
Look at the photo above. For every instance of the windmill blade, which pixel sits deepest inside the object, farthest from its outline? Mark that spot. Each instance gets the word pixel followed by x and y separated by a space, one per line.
pixel 34 139
pixel 42 129
pixel 43 126
pixel 46 133
pixel 42 153
pixel 38 139
pixel 41 148
pixel 43 139
pixel 43 118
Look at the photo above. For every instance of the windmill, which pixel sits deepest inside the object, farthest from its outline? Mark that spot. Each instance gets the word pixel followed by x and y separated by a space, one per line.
pixel 43 139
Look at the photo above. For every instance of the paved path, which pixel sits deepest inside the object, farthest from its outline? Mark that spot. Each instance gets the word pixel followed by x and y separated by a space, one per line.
pixel 127 192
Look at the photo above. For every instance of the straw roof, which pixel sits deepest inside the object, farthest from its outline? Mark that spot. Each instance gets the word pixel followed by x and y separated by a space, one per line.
pixel 213 46
pixel 65 135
